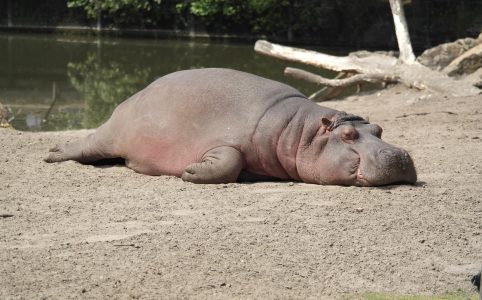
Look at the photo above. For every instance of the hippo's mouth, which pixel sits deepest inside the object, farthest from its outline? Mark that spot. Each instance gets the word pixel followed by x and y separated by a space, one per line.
pixel 360 180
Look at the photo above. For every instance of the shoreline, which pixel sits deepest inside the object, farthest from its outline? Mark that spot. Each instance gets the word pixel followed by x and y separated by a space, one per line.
pixel 76 231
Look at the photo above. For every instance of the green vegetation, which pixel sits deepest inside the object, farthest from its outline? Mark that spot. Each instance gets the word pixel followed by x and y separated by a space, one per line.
pixel 63 119
pixel 104 85
pixel 112 6
pixel 121 12
pixel 342 22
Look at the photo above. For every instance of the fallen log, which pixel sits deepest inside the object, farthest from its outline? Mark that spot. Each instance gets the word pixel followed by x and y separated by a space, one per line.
pixel 371 67
pixel 374 62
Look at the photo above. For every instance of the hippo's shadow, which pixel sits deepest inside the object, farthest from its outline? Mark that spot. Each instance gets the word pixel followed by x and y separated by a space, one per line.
pixel 108 162
pixel 418 184
pixel 245 177
pixel 476 281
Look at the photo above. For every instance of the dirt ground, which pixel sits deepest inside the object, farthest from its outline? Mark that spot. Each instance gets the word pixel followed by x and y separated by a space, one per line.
pixel 77 231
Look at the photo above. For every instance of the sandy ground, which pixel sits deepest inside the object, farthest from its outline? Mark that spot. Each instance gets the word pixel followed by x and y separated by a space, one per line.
pixel 80 231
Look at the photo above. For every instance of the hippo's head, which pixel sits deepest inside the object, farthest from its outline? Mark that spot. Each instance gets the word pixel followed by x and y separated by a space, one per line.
pixel 353 153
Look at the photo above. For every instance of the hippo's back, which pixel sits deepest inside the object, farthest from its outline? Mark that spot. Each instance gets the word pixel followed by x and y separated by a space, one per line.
pixel 217 92
pixel 180 116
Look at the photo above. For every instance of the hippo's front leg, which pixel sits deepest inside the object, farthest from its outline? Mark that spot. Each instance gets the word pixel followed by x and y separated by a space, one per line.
pixel 219 165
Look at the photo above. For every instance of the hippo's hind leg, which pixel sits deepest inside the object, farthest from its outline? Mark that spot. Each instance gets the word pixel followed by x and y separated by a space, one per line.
pixel 95 146
pixel 219 165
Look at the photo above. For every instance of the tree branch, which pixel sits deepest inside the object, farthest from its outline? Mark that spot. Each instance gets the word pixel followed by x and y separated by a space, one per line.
pixel 356 79
pixel 327 92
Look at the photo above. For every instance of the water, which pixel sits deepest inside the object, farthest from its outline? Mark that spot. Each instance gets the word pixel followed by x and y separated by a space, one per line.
pixel 55 82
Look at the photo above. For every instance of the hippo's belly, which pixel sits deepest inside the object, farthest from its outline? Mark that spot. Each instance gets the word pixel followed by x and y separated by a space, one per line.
pixel 174 121
pixel 167 151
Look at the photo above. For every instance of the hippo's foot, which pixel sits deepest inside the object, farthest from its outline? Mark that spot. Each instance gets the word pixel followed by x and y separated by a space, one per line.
pixel 219 165
pixel 57 154
pixel 84 151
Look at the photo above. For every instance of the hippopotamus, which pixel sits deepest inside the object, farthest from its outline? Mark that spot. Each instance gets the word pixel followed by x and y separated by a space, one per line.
pixel 219 126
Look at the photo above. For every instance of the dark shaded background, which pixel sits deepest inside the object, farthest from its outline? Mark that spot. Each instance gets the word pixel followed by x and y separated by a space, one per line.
pixel 340 23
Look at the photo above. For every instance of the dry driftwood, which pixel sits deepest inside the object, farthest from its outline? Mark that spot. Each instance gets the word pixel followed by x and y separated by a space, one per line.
pixel 374 62
pixel 376 68
pixel 371 67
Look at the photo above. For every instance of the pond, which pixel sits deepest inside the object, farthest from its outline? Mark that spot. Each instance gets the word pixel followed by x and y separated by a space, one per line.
pixel 58 82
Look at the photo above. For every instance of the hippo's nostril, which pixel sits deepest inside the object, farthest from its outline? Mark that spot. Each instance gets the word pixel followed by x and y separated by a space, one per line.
pixel 388 153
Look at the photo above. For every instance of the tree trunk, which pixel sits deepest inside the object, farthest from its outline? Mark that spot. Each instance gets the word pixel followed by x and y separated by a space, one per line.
pixel 290 20
pixel 401 30
pixel 9 13
pixel 99 16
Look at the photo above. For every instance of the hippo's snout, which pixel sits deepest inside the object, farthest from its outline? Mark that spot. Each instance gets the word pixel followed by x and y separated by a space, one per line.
pixel 397 165
pixel 394 157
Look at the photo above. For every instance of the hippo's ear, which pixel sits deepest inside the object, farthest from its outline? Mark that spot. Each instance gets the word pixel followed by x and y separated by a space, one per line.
pixel 327 123
pixel 367 118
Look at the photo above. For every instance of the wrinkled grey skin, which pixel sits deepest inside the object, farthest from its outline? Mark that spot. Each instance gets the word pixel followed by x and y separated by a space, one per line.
pixel 221 125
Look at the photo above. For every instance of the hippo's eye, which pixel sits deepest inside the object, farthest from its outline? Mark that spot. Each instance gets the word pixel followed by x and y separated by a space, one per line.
pixel 349 134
